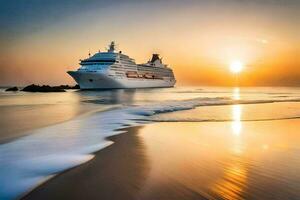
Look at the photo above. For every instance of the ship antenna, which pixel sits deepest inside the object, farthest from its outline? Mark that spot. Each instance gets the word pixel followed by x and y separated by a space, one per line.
pixel 112 46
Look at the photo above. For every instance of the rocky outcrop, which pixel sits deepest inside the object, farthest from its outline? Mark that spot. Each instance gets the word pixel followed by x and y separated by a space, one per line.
pixel 43 88
pixel 68 87
pixel 12 89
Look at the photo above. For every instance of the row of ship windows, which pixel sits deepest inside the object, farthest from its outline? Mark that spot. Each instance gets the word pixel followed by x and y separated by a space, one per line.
pixel 130 69
pixel 97 60
pixel 112 66
pixel 97 63
pixel 127 65
pixel 168 72
pixel 122 67
pixel 156 68
pixel 148 70
pixel 156 74
pixel 126 58
pixel 163 71
pixel 164 74
pixel 104 62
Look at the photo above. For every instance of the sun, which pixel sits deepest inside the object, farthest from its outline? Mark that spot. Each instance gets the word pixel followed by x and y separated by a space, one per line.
pixel 236 66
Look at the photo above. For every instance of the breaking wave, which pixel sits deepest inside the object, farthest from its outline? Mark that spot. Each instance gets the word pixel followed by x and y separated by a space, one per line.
pixel 222 120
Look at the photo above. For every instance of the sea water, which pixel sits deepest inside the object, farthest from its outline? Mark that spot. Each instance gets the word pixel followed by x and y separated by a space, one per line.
pixel 43 134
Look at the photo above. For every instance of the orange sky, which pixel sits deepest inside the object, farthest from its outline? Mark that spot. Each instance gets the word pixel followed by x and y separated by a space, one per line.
pixel 199 41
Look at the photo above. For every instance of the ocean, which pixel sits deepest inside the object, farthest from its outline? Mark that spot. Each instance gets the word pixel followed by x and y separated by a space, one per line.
pixel 220 142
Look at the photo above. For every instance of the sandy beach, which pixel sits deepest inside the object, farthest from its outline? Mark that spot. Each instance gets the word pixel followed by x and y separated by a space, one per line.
pixel 104 176
pixel 117 172
pixel 187 161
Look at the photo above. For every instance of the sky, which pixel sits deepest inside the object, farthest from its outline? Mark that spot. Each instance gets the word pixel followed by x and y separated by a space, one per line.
pixel 40 40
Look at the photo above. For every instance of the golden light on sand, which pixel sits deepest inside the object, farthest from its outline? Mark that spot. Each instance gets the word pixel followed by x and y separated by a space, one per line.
pixel 236 66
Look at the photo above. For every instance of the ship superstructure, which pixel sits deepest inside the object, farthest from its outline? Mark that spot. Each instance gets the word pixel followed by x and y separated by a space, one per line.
pixel 112 70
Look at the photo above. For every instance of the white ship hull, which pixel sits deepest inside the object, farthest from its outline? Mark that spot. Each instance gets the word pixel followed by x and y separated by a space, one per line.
pixel 98 80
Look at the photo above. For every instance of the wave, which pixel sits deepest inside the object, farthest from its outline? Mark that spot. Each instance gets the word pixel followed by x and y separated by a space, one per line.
pixel 173 106
pixel 221 120
pixel 28 161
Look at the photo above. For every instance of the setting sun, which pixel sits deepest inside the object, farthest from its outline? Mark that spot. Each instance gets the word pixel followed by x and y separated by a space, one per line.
pixel 236 66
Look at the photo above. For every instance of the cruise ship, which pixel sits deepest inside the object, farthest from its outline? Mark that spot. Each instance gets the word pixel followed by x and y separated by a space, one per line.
pixel 113 70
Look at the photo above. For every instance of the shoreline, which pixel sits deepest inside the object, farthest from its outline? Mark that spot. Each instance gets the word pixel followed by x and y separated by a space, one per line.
pixel 101 175
pixel 144 163
pixel 119 171
pixel 26 131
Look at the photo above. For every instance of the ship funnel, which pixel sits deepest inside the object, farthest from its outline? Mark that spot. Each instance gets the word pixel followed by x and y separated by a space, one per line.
pixel 154 57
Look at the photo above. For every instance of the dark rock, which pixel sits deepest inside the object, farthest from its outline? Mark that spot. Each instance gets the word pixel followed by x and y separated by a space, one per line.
pixel 64 87
pixel 47 88
pixel 12 89
pixel 67 87
pixel 43 88
pixel 76 86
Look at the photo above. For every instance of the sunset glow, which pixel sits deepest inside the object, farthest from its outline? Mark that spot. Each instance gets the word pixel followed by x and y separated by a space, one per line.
pixel 236 66
pixel 198 45
pixel 140 99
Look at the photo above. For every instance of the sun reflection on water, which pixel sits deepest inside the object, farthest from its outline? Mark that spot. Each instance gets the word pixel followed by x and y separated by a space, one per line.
pixel 236 117
pixel 236 93
pixel 234 180
pixel 236 113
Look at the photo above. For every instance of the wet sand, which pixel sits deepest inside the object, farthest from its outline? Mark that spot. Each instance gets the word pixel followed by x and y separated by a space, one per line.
pixel 213 160
pixel 119 171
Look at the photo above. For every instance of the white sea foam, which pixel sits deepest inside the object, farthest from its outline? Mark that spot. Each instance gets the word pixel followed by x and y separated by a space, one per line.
pixel 30 160
pixel 219 120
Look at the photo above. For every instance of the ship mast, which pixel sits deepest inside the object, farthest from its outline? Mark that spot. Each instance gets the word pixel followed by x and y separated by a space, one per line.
pixel 111 47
